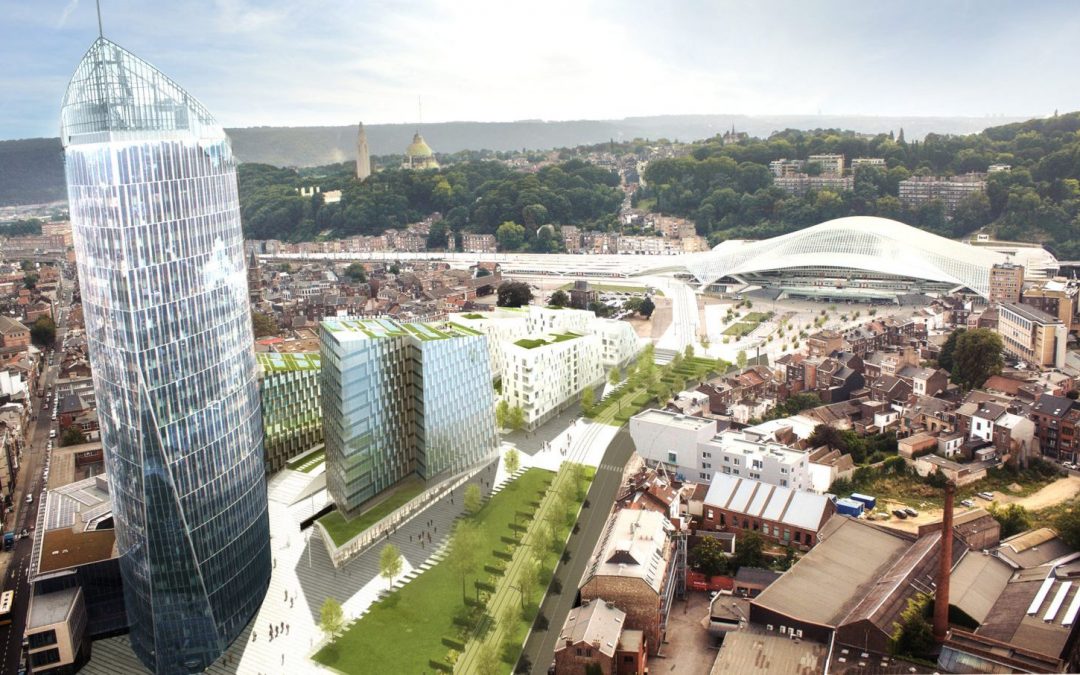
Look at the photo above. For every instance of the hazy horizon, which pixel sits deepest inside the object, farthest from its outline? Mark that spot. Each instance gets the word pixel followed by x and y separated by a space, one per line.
pixel 277 63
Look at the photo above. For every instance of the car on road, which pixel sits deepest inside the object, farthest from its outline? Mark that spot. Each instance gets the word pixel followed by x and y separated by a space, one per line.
pixel 911 512
pixel 968 503
pixel 29 499
pixel 52 434
pixel 899 514
pixel 988 496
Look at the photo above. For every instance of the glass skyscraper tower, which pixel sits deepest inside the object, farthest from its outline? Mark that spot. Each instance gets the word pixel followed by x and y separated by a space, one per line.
pixel 156 223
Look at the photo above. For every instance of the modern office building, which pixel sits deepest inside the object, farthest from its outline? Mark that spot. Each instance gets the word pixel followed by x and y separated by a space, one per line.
pixel 858 257
pixel 1032 335
pixel 400 400
pixel 291 406
pixel 156 223
pixel 1058 297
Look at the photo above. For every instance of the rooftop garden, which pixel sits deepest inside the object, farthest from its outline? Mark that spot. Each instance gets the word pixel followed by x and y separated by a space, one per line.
pixel 283 363
pixel 533 343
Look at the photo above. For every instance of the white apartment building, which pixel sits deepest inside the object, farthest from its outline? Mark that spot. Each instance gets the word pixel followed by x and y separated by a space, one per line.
pixel 692 448
pixel 868 161
pixel 831 165
pixel 543 373
pixel 546 357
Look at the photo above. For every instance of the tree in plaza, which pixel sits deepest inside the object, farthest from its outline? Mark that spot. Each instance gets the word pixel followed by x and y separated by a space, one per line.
pixel 72 436
pixel 473 498
pixel 487 661
pixel 613 376
pixel 709 558
pixel 740 359
pixel 331 618
pixel 43 331
pixel 502 414
pixel 390 563
pixel 663 393
pixel 510 236
pixel 263 324
pixel 689 351
pixel 514 294
pixel 559 299
pixel 355 271
pixel 647 307
pixel 515 418
pixel 465 551
pixel 977 357
pixel 588 400
pixel 512 461
pixel 528 580
pixel 546 537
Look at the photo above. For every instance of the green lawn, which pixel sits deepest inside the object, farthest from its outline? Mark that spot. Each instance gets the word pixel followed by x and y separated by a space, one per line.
pixel 740 329
pixel 307 463
pixel 406 629
pixel 341 530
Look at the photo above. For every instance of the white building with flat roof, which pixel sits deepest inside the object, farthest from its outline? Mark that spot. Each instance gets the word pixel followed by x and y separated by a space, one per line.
pixel 694 450
pixel 545 357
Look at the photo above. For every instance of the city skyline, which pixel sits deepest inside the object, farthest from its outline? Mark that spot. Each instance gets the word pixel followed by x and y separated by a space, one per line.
pixel 156 228
pixel 373 62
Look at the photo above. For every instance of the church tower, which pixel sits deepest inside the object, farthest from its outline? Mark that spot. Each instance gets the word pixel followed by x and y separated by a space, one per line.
pixel 363 159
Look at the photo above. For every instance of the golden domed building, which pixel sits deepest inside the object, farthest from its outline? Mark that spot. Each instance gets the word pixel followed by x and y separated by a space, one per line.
pixel 419 155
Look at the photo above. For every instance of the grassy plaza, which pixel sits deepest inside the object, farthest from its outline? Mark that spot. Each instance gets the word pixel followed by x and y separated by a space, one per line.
pixel 419 625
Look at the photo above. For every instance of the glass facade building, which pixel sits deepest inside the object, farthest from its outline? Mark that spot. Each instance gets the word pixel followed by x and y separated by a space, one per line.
pixel 156 224
pixel 291 406
pixel 402 399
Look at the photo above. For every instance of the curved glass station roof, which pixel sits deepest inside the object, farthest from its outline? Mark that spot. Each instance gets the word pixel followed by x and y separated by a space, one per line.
pixel 877 245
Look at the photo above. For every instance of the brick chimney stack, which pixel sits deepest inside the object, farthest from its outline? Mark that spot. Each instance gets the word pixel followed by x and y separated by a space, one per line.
pixel 941 596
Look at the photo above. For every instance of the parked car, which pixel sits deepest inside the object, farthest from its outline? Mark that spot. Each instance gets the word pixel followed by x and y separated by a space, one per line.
pixel 899 514
pixel 911 512
pixel 988 496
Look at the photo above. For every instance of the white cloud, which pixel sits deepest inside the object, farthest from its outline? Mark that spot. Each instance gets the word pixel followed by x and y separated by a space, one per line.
pixel 68 9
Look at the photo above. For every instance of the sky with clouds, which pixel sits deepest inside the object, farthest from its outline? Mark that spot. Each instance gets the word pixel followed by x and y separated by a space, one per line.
pixel 331 62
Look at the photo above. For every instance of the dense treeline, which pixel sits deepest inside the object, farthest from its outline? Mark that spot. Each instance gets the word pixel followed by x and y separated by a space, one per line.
pixel 472 196
pixel 728 191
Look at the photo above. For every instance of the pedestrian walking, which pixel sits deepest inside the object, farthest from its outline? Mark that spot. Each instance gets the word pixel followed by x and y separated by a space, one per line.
pixel 283 658
pixel 291 603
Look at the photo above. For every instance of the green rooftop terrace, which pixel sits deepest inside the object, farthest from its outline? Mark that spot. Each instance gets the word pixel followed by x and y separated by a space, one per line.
pixel 376 329
pixel 271 363
pixel 533 343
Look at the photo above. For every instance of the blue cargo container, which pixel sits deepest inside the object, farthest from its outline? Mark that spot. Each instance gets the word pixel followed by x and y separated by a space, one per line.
pixel 849 507
pixel 868 501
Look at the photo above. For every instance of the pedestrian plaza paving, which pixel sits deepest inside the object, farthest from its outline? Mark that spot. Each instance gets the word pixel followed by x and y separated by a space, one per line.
pixel 303 576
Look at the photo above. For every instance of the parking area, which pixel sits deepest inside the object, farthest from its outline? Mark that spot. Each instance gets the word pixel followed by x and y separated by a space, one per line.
pixel 689 649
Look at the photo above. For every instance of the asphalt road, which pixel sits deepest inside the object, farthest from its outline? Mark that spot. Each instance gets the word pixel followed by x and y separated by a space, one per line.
pixel 29 481
pixel 540 647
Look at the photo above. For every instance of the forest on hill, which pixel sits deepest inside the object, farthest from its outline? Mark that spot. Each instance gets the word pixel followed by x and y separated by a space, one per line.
pixel 477 196
pixel 729 193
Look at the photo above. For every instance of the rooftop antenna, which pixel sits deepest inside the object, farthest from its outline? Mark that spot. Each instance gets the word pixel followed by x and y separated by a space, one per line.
pixel 100 30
